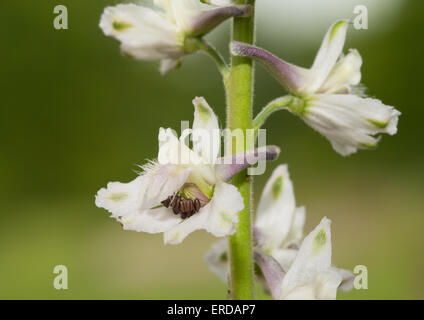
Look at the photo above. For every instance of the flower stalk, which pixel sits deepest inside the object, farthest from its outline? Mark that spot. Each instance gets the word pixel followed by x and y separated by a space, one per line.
pixel 239 116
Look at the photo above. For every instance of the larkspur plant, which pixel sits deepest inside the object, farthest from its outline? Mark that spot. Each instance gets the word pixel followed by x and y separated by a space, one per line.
pixel 190 188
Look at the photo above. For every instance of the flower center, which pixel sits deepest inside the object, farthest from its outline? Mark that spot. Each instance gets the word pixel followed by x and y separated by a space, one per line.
pixel 181 205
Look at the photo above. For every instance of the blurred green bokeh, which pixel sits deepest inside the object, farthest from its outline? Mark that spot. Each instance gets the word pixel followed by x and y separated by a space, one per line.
pixel 76 114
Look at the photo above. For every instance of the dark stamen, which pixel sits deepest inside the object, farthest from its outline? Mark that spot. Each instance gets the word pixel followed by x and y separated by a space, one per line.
pixel 180 205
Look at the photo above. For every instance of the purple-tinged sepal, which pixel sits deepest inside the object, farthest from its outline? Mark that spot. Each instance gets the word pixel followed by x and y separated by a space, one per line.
pixel 292 77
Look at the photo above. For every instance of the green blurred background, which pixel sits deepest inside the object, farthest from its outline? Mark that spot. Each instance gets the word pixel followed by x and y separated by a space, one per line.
pixel 76 114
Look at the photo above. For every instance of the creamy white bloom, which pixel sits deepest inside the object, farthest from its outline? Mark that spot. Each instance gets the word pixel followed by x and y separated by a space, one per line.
pixel 278 227
pixel 191 176
pixel 161 33
pixel 279 223
pixel 327 100
pixel 278 232
pixel 311 275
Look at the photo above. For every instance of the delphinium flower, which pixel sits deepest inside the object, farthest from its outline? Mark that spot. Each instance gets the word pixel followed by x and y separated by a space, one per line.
pixel 167 32
pixel 184 190
pixel 327 96
pixel 278 232
pixel 311 275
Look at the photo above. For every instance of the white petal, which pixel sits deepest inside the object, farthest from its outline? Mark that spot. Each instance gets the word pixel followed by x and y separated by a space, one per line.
pixel 350 122
pixel 218 260
pixel 311 273
pixel 284 257
pixel 162 181
pixel 121 198
pixel 206 134
pixel 184 12
pixel 174 151
pixel 346 73
pixel 276 209
pixel 143 32
pixel 296 231
pixel 348 278
pixel 168 64
pixel 179 232
pixel 330 51
pixel 224 207
pixel 151 221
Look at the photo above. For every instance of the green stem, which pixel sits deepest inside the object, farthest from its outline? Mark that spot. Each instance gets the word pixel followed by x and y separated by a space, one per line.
pixel 239 116
pixel 274 105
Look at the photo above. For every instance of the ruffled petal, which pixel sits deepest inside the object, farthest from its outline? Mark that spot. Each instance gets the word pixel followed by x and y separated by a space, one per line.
pixel 206 134
pixel 350 122
pixel 292 77
pixel 121 198
pixel 276 209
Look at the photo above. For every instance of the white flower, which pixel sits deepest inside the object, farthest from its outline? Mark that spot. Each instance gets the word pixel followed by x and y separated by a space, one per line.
pixel 311 275
pixel 278 232
pixel 185 190
pixel 161 33
pixel 327 100
pixel 278 228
